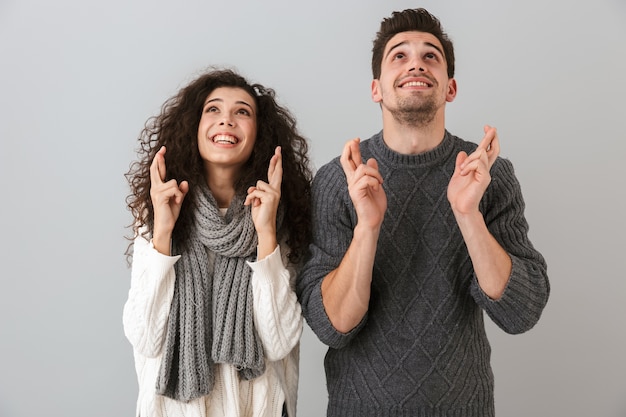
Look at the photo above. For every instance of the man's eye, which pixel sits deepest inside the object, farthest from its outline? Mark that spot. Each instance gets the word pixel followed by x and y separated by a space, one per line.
pixel 430 56
pixel 399 56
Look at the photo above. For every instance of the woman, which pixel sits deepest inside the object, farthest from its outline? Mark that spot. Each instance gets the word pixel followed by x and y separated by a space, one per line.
pixel 218 234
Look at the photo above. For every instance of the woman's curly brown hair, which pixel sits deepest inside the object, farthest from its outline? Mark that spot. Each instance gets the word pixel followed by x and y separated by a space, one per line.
pixel 177 129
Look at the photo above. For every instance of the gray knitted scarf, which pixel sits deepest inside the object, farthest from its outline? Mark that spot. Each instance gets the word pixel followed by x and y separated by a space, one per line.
pixel 211 319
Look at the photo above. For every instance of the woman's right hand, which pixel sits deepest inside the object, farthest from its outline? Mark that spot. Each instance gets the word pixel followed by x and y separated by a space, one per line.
pixel 167 199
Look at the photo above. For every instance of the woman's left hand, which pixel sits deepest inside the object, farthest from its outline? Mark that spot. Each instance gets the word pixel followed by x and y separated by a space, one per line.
pixel 264 199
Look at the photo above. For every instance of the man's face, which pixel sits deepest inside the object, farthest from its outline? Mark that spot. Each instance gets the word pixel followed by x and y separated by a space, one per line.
pixel 413 79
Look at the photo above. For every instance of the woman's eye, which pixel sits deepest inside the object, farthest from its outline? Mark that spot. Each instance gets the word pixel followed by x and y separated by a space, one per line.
pixel 243 112
pixel 210 109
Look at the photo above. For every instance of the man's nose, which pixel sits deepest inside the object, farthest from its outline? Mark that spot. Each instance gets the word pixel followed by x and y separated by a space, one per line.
pixel 416 64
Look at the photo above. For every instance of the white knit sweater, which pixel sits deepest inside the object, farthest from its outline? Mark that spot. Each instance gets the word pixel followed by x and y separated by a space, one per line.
pixel 277 317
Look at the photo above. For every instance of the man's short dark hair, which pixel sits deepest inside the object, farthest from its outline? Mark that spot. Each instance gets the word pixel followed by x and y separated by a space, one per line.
pixel 410 20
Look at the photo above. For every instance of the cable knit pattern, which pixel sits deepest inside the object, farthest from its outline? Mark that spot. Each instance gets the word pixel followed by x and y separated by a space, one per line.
pixel 145 319
pixel 421 350
pixel 278 319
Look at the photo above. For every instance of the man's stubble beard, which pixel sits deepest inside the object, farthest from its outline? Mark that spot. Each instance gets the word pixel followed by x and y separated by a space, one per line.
pixel 414 113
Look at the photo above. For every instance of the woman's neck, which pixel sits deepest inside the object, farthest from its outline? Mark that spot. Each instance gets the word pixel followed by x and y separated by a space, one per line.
pixel 222 186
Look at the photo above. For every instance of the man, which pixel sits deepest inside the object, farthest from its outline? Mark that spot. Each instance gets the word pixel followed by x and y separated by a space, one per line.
pixel 416 233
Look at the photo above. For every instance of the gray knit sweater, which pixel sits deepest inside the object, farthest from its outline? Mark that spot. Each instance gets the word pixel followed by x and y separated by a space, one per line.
pixel 421 350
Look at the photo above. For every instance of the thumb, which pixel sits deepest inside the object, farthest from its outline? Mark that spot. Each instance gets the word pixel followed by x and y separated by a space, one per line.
pixel 184 188
pixel 460 158
pixel 372 163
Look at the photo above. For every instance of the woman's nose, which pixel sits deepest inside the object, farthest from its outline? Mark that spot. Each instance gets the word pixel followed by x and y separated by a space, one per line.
pixel 227 121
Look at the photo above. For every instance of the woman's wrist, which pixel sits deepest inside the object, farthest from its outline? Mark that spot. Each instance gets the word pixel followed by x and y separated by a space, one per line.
pixel 267 243
pixel 162 242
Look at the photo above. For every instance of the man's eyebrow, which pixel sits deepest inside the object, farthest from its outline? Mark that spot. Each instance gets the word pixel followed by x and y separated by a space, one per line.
pixel 437 48
pixel 394 47
pixel 427 43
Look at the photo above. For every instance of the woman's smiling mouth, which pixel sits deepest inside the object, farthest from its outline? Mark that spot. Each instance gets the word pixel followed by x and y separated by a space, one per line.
pixel 225 139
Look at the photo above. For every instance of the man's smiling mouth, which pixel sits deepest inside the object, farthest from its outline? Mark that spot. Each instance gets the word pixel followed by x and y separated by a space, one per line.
pixel 415 84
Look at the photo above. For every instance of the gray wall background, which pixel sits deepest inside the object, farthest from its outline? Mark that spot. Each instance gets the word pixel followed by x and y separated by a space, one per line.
pixel 79 78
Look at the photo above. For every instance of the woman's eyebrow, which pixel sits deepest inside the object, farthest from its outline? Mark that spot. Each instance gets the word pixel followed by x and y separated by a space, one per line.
pixel 212 100
pixel 221 101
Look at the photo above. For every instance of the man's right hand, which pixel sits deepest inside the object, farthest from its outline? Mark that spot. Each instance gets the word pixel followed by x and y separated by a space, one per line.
pixel 364 186
pixel 346 290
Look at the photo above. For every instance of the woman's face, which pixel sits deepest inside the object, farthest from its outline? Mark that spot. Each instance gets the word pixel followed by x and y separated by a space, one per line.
pixel 227 129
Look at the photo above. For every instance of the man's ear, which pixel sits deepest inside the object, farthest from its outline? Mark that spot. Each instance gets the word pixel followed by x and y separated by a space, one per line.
pixel 451 90
pixel 376 93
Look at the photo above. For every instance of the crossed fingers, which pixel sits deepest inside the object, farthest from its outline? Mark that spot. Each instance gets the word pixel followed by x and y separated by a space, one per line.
pixel 485 154
pixel 160 189
pixel 257 194
pixel 356 171
pixel 157 168
pixel 275 170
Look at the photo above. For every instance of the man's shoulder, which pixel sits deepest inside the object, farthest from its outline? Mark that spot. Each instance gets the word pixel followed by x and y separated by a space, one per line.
pixel 329 176
pixel 469 147
pixel 331 166
pixel 462 144
pixel 366 146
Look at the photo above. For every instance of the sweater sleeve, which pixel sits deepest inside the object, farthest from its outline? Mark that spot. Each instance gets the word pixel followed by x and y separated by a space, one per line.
pixel 333 224
pixel 147 308
pixel 528 288
pixel 277 313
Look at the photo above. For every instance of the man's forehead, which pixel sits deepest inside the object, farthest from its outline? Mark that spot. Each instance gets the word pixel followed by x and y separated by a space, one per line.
pixel 413 36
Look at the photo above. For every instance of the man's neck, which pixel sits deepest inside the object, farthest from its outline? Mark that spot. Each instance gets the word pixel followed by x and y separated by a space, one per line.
pixel 411 139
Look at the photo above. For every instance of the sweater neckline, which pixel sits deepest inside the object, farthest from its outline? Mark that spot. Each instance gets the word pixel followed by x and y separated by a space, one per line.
pixel 384 152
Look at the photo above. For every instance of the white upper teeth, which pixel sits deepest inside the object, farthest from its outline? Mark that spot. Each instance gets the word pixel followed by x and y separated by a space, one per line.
pixel 416 84
pixel 224 139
